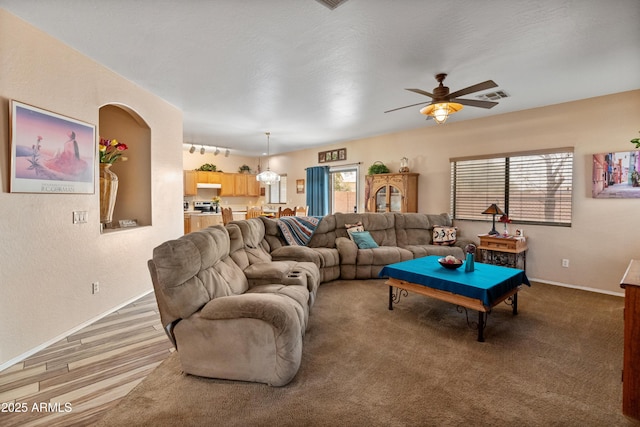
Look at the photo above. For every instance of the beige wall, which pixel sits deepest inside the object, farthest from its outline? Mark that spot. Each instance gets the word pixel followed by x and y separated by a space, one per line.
pixel 604 235
pixel 48 263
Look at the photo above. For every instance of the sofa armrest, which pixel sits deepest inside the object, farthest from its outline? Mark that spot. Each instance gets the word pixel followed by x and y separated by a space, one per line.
pixel 296 253
pixel 266 307
pixel 348 250
pixel 461 242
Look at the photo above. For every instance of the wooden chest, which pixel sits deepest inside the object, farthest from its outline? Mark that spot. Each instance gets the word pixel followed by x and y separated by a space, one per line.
pixel 502 244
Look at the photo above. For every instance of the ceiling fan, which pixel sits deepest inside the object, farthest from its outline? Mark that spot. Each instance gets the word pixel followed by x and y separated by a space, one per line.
pixel 444 103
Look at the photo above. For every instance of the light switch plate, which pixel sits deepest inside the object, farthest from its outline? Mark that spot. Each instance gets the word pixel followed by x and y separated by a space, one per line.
pixel 80 217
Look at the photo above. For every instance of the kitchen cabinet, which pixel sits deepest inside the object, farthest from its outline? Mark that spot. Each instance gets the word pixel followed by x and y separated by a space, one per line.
pixel 187 223
pixel 190 183
pixel 240 184
pixel 227 182
pixel 232 184
pixel 207 177
pixel 253 186
pixel 200 221
pixel 392 192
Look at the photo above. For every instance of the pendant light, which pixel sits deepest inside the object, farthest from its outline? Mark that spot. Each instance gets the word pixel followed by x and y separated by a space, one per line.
pixel 268 177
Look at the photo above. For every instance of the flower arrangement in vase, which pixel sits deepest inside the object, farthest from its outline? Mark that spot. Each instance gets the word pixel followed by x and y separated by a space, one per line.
pixel 505 219
pixel 111 150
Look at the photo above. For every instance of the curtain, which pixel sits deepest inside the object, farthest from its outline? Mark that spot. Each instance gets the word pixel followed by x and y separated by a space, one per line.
pixel 318 190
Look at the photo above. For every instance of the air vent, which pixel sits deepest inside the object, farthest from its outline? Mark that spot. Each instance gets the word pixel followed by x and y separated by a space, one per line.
pixel 493 96
pixel 331 4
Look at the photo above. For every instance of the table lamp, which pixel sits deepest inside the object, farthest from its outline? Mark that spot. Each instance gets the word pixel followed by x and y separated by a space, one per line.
pixel 493 210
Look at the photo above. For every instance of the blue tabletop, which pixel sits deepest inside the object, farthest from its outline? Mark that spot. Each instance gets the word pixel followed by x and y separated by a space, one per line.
pixel 487 282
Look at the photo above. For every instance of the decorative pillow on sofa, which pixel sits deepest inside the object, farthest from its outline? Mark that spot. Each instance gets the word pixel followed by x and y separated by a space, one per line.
pixel 354 228
pixel 364 240
pixel 443 235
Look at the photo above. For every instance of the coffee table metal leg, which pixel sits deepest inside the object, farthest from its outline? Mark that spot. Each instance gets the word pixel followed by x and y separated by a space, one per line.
pixel 390 297
pixel 515 303
pixel 481 323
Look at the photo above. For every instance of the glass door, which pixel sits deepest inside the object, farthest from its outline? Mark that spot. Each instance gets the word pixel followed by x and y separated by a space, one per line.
pixel 395 199
pixel 344 185
pixel 381 199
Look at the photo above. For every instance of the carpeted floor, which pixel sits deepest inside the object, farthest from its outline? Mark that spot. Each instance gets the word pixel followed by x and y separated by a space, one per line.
pixel 557 363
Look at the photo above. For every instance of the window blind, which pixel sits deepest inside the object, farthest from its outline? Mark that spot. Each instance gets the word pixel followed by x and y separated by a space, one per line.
pixel 531 187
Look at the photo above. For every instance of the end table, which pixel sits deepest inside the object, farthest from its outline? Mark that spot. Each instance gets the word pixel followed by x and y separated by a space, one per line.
pixel 508 251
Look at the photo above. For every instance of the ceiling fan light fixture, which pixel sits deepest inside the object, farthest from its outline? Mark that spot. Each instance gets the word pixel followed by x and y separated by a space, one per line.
pixel 268 177
pixel 441 111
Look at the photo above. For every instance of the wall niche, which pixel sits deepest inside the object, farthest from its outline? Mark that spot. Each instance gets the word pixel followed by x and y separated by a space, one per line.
pixel 133 201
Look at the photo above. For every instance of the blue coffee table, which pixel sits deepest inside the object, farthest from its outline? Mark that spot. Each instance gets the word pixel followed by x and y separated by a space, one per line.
pixel 481 289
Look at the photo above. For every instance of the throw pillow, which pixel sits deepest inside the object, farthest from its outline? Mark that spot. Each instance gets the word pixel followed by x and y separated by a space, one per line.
pixel 364 240
pixel 351 228
pixel 443 235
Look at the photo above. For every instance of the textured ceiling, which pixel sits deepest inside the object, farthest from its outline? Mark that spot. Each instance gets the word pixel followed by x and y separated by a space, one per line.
pixel 314 76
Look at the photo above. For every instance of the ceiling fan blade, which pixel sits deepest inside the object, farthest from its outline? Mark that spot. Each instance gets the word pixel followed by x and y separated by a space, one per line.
pixel 421 92
pixel 475 88
pixel 407 106
pixel 475 103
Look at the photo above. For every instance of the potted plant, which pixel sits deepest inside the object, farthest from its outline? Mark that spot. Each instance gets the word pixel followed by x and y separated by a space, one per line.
pixel 207 167
pixel 635 179
pixel 378 167
pixel 244 169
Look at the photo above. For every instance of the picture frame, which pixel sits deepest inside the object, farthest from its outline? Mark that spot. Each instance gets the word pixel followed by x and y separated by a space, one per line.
pixel 50 153
pixel 332 155
pixel 616 175
pixel 299 186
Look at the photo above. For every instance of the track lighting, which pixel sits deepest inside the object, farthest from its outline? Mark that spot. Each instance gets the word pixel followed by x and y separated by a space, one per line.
pixel 202 150
pixel 192 149
pixel 226 153
pixel 215 153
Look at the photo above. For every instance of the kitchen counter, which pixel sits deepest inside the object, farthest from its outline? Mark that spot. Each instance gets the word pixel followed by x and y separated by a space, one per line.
pixel 203 213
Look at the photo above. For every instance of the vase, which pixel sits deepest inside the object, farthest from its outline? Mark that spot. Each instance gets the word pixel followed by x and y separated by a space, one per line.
pixel 108 192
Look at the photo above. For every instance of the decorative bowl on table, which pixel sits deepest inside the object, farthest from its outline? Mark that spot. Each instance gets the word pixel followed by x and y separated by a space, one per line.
pixel 450 262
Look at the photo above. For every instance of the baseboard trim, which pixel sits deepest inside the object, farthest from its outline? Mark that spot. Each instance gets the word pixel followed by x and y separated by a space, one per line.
pixel 582 288
pixel 54 340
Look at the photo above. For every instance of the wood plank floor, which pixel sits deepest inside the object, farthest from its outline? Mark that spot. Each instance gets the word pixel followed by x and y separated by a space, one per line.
pixel 76 380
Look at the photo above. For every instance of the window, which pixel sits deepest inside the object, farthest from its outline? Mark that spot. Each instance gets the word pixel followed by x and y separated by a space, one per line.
pixel 531 187
pixel 344 188
pixel 278 191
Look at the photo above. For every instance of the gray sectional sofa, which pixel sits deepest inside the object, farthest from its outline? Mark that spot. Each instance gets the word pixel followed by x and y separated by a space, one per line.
pixel 235 300
pixel 400 237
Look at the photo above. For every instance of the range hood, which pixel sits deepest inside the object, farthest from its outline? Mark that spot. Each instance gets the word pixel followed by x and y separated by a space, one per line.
pixel 204 185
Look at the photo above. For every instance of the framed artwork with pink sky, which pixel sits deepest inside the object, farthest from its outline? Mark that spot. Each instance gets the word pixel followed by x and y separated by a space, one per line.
pixel 50 153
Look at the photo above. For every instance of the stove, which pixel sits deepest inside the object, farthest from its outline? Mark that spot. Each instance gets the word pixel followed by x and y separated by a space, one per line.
pixel 203 206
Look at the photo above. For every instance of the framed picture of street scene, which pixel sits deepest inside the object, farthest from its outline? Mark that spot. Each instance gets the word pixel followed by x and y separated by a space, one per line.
pixel 50 153
pixel 616 175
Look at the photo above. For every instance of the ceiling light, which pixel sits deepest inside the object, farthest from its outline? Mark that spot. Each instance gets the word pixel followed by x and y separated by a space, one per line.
pixel 226 153
pixel 215 153
pixel 441 111
pixel 268 177
pixel 192 149
pixel 202 150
